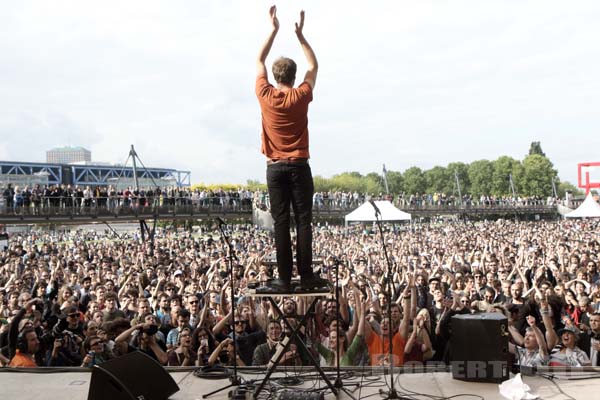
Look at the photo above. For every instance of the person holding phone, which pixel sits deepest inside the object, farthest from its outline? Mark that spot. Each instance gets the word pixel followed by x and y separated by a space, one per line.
pixel 94 351
pixel 203 344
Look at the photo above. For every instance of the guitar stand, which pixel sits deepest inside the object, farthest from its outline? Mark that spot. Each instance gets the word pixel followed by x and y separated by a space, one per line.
pixel 300 343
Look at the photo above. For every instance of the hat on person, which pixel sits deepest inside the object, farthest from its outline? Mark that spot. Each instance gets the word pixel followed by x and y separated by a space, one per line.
pixel 434 279
pixel 178 272
pixel 569 329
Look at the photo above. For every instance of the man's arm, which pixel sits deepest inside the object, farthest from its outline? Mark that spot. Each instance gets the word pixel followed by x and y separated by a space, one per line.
pixel 223 323
pixel 162 357
pixel 405 322
pixel 551 336
pixel 539 336
pixel 313 66
pixel 261 69
pixel 13 329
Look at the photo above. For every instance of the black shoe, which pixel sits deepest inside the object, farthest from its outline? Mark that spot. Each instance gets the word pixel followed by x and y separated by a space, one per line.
pixel 314 282
pixel 275 286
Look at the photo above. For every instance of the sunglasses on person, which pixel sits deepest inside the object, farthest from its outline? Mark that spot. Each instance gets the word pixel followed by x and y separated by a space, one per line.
pixel 240 322
pixel 74 315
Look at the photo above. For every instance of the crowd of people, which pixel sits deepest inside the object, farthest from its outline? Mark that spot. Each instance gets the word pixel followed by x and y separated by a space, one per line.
pixel 76 197
pixel 73 197
pixel 67 300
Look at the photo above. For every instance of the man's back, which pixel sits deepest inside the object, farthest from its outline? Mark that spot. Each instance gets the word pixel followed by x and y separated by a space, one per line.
pixel 284 119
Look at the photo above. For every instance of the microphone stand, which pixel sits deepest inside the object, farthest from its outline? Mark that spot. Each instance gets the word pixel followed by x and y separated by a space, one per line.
pixel 338 384
pixel 392 394
pixel 234 378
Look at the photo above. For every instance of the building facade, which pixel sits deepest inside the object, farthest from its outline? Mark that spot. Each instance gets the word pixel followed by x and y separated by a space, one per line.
pixel 68 155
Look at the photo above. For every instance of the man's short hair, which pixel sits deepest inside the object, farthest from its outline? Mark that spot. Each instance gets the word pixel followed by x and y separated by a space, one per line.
pixel 284 70
pixel 111 296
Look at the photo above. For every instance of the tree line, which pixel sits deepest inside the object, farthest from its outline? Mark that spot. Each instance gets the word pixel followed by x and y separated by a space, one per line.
pixel 506 176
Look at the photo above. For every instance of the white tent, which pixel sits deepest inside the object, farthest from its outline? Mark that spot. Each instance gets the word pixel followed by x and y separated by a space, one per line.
pixel 366 213
pixel 589 208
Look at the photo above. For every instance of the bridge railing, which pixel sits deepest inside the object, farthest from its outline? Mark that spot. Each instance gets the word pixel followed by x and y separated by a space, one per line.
pixel 120 206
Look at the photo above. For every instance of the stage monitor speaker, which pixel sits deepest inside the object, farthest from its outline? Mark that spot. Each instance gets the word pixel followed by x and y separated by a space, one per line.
pixel 479 347
pixel 134 376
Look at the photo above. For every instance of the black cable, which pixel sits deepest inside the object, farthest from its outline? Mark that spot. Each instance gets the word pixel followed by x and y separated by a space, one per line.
pixel 213 372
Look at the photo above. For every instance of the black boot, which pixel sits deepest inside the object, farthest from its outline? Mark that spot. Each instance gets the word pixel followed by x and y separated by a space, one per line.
pixel 314 282
pixel 275 286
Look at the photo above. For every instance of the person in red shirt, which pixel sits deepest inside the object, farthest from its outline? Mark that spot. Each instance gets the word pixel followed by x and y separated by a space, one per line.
pixel 284 112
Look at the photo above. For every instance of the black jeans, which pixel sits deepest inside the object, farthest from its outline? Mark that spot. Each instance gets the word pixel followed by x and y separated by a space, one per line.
pixel 292 184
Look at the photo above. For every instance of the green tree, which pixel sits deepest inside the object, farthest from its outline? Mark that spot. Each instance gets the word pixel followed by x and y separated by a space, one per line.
pixel 374 183
pixel 462 171
pixel 480 175
pixel 538 173
pixel 438 180
pixel 504 166
pixel 564 187
pixel 254 185
pixel 395 182
pixel 349 181
pixel 536 148
pixel 322 184
pixel 414 181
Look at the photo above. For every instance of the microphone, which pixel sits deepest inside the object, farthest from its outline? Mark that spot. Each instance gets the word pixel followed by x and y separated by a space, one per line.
pixel 220 221
pixel 279 349
pixel 377 212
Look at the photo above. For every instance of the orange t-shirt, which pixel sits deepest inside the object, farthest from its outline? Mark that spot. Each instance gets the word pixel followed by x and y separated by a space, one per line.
pixel 284 119
pixel 379 349
pixel 23 361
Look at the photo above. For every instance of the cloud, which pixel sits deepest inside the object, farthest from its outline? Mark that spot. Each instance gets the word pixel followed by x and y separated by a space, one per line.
pixel 403 83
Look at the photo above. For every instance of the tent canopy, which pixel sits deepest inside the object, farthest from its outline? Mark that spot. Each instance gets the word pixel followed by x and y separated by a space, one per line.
pixel 366 213
pixel 589 208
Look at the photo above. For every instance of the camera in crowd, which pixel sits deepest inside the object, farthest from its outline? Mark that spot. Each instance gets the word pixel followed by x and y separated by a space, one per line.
pixel 150 330
pixel 224 356
pixel 65 338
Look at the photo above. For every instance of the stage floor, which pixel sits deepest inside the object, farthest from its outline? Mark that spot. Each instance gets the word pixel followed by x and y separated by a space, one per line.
pixel 75 385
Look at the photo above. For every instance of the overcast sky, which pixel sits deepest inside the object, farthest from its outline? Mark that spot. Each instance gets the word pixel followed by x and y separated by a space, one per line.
pixel 405 83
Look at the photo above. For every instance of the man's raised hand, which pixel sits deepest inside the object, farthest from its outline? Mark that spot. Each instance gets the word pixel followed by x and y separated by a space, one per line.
pixel 274 20
pixel 300 26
